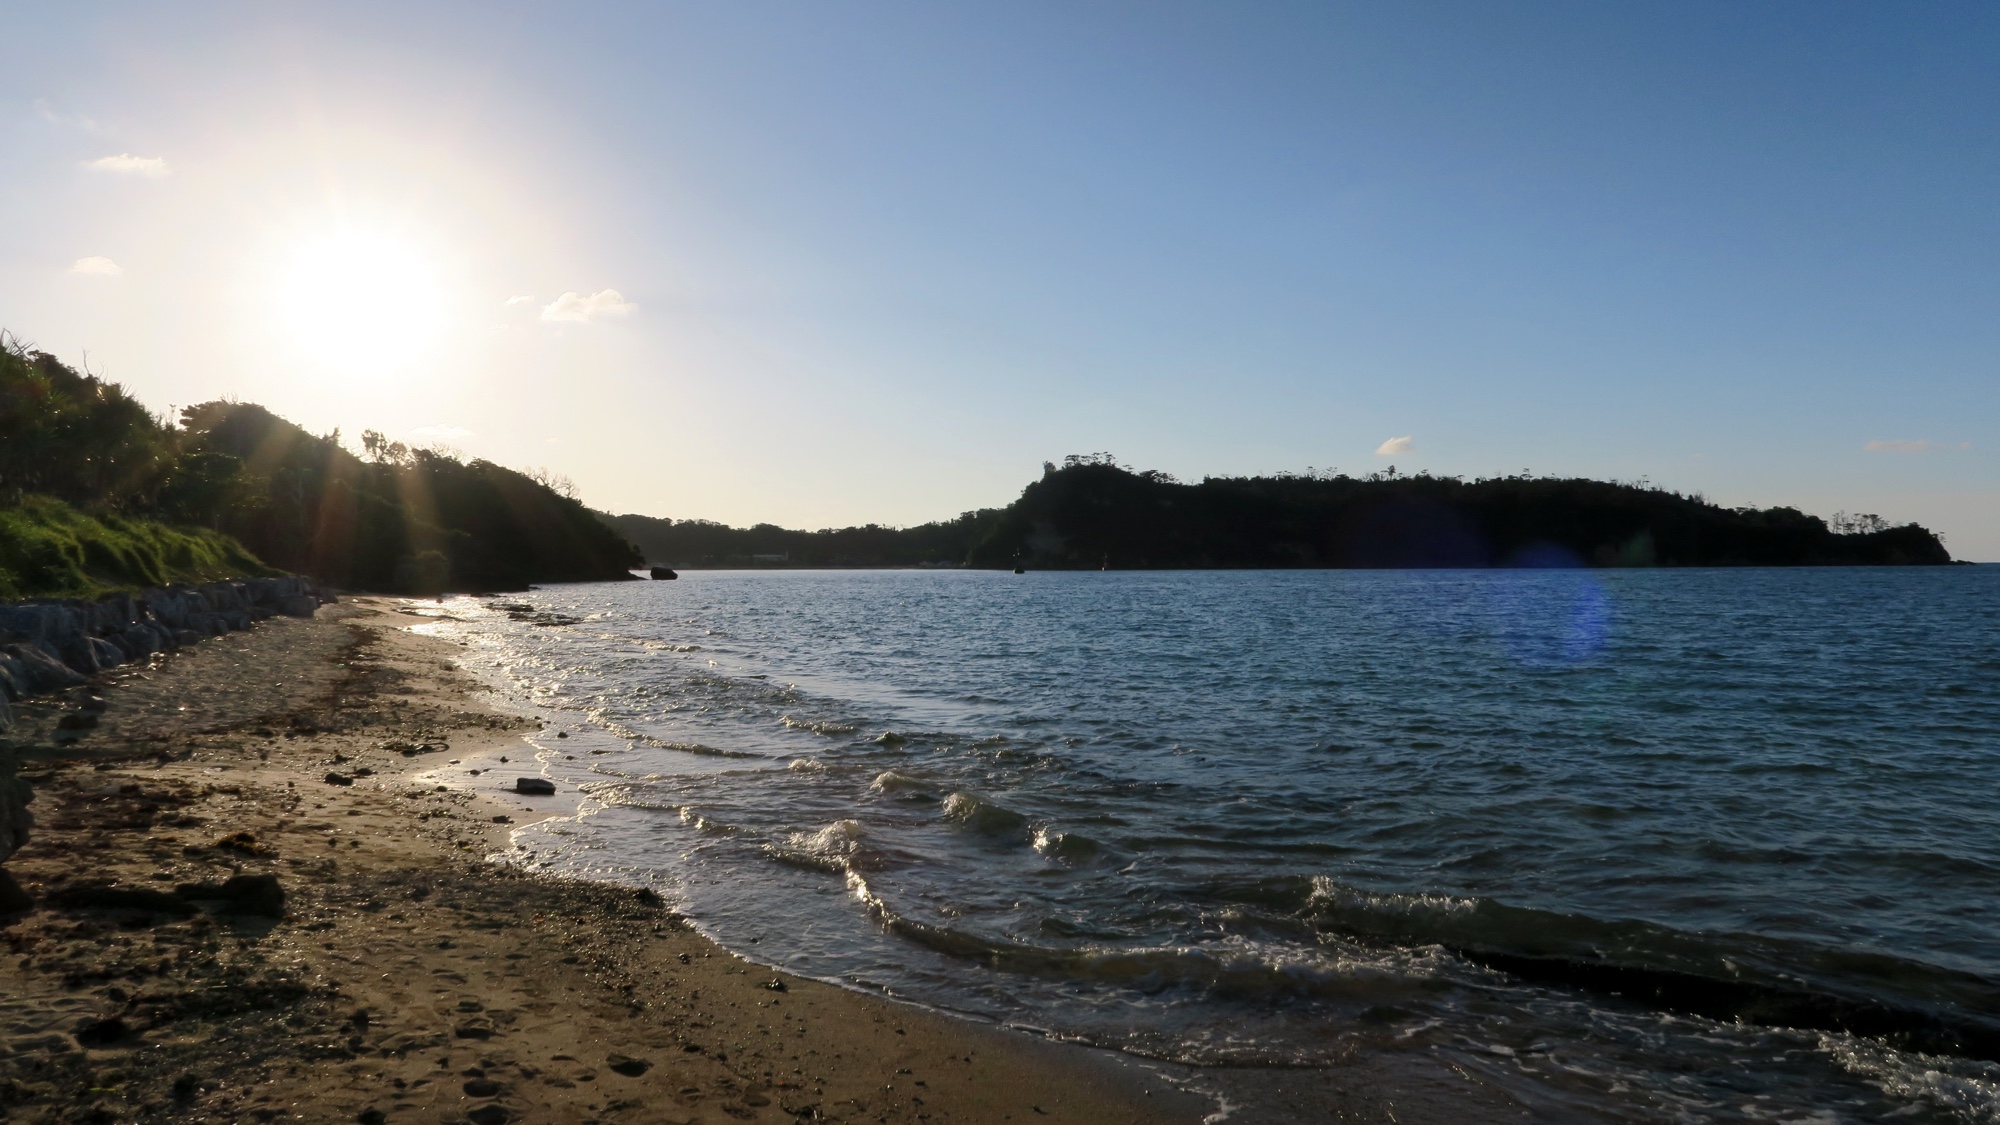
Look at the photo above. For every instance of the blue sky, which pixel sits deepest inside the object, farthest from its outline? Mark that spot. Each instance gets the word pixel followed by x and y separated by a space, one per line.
pixel 829 264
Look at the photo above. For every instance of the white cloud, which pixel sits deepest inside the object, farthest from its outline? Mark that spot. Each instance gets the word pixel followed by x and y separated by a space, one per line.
pixel 96 267
pixel 521 300
pixel 1396 445
pixel 125 164
pixel 440 432
pixel 577 307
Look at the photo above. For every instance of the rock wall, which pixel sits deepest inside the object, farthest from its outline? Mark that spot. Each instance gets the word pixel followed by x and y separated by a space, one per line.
pixel 50 645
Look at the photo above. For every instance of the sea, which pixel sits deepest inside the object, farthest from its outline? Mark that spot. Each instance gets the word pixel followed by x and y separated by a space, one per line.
pixel 1602 845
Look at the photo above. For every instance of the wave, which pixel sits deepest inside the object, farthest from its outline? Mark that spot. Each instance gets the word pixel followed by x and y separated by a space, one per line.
pixel 1971 1089
pixel 982 815
pixel 1071 846
pixel 1911 1044
pixel 1911 1010
pixel 1726 977
pixel 1232 968
pixel 698 822
pixel 630 735
pixel 643 794
pixel 831 848
pixel 889 781
pixel 844 847
pixel 826 727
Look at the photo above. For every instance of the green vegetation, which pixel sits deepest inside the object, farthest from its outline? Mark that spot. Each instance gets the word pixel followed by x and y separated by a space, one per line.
pixel 160 501
pixel 49 549
pixel 75 437
pixel 402 519
pixel 1092 512
pixel 703 543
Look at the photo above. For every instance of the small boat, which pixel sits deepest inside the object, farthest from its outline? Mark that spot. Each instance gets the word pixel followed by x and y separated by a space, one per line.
pixel 664 572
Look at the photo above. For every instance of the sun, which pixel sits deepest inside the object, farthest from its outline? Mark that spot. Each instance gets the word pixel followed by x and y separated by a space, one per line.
pixel 360 300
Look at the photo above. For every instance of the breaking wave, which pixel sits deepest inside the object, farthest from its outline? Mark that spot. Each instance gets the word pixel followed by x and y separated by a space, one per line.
pixel 981 815
pixel 833 848
pixel 1727 977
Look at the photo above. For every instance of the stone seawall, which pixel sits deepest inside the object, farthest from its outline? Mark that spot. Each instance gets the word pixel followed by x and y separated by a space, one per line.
pixel 50 645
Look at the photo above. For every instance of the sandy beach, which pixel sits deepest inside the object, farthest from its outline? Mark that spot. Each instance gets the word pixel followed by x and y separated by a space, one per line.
pixel 404 976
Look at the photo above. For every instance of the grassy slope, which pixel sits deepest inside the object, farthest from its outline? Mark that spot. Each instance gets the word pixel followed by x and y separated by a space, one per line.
pixel 49 549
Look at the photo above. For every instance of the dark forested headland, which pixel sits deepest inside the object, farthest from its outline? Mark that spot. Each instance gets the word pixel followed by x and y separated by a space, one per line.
pixel 1092 513
pixel 98 494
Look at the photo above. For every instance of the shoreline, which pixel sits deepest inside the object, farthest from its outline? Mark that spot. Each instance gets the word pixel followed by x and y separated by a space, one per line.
pixel 405 975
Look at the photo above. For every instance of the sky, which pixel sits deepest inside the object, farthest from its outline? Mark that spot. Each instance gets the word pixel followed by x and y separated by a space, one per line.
pixel 828 264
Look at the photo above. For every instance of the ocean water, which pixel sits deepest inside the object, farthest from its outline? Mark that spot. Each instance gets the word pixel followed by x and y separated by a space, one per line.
pixel 1618 846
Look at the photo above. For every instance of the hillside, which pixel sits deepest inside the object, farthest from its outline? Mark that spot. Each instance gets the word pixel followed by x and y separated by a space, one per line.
pixel 1092 513
pixel 49 549
pixel 96 493
pixel 699 543
pixel 404 519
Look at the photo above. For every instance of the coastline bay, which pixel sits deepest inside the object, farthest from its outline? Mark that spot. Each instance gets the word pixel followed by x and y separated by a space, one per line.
pixel 684 563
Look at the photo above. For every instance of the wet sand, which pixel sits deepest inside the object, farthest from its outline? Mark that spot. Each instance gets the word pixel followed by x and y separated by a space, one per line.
pixel 406 977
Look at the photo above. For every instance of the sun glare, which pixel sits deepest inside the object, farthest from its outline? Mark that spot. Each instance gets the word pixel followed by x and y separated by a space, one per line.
pixel 360 301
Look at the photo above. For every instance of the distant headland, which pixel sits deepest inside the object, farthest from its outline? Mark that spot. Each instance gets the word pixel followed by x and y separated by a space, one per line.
pixel 1091 513
pixel 97 495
